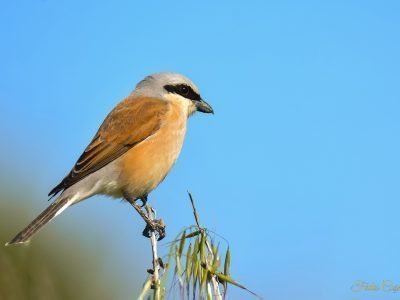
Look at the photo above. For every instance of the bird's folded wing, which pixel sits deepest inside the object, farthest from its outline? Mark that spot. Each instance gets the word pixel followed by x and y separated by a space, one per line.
pixel 129 123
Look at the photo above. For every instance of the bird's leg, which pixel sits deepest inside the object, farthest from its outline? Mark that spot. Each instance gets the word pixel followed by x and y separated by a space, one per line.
pixel 151 225
pixel 144 200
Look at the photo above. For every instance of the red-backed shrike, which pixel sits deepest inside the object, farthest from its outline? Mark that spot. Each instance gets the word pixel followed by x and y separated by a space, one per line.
pixel 134 148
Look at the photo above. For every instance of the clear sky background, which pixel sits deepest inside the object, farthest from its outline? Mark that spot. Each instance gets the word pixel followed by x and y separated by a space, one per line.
pixel 298 168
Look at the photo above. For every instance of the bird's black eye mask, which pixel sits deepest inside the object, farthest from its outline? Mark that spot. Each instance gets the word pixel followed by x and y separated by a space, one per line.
pixel 183 90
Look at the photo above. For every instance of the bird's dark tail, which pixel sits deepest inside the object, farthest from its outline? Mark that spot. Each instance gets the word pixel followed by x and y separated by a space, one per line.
pixel 47 215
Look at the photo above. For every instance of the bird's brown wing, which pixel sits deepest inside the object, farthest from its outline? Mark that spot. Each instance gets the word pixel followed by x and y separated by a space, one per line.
pixel 129 123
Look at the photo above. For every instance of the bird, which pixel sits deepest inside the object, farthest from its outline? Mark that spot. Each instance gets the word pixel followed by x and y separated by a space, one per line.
pixel 133 150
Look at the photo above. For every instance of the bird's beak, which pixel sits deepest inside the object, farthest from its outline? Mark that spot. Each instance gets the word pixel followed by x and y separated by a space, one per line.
pixel 204 107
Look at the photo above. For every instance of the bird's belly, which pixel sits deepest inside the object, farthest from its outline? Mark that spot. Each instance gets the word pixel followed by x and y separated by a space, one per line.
pixel 146 165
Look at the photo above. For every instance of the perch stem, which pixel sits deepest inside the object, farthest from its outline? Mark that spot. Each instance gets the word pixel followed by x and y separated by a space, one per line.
pixel 156 263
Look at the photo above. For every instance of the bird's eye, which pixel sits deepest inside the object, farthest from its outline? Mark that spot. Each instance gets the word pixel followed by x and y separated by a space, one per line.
pixel 184 90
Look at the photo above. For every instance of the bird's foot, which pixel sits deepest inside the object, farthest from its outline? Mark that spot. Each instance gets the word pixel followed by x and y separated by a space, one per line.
pixel 154 226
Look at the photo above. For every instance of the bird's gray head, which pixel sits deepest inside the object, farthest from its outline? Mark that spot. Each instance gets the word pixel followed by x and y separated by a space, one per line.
pixel 173 87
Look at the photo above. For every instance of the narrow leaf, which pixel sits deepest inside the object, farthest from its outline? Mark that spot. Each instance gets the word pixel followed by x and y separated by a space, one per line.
pixel 178 266
pixel 226 268
pixel 182 243
pixel 204 278
pixel 200 277
pixel 145 289
pixel 188 263
pixel 193 234
pixel 194 268
pixel 202 248
pixel 231 281
pixel 216 261
pixel 196 246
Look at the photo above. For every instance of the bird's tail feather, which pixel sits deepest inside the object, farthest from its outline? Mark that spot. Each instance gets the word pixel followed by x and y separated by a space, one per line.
pixel 46 216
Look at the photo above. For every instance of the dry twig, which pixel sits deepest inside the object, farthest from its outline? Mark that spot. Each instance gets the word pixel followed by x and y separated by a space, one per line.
pixel 156 261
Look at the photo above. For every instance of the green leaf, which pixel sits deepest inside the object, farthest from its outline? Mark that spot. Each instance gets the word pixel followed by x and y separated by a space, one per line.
pixel 200 277
pixel 216 262
pixel 193 234
pixel 145 289
pixel 204 276
pixel 227 266
pixel 202 248
pixel 196 246
pixel 171 255
pixel 194 267
pixel 188 263
pixel 178 267
pixel 227 261
pixel 182 243
pixel 222 277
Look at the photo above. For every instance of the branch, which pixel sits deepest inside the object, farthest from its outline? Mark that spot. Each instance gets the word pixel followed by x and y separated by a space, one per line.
pixel 156 263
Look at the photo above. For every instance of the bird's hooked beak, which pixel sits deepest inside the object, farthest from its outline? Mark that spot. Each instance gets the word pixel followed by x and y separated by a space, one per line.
pixel 204 107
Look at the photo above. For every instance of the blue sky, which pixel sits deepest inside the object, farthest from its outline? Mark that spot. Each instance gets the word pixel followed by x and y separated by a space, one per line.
pixel 299 166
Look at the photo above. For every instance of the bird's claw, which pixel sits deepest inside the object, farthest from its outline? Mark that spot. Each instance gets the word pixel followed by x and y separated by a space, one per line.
pixel 155 226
